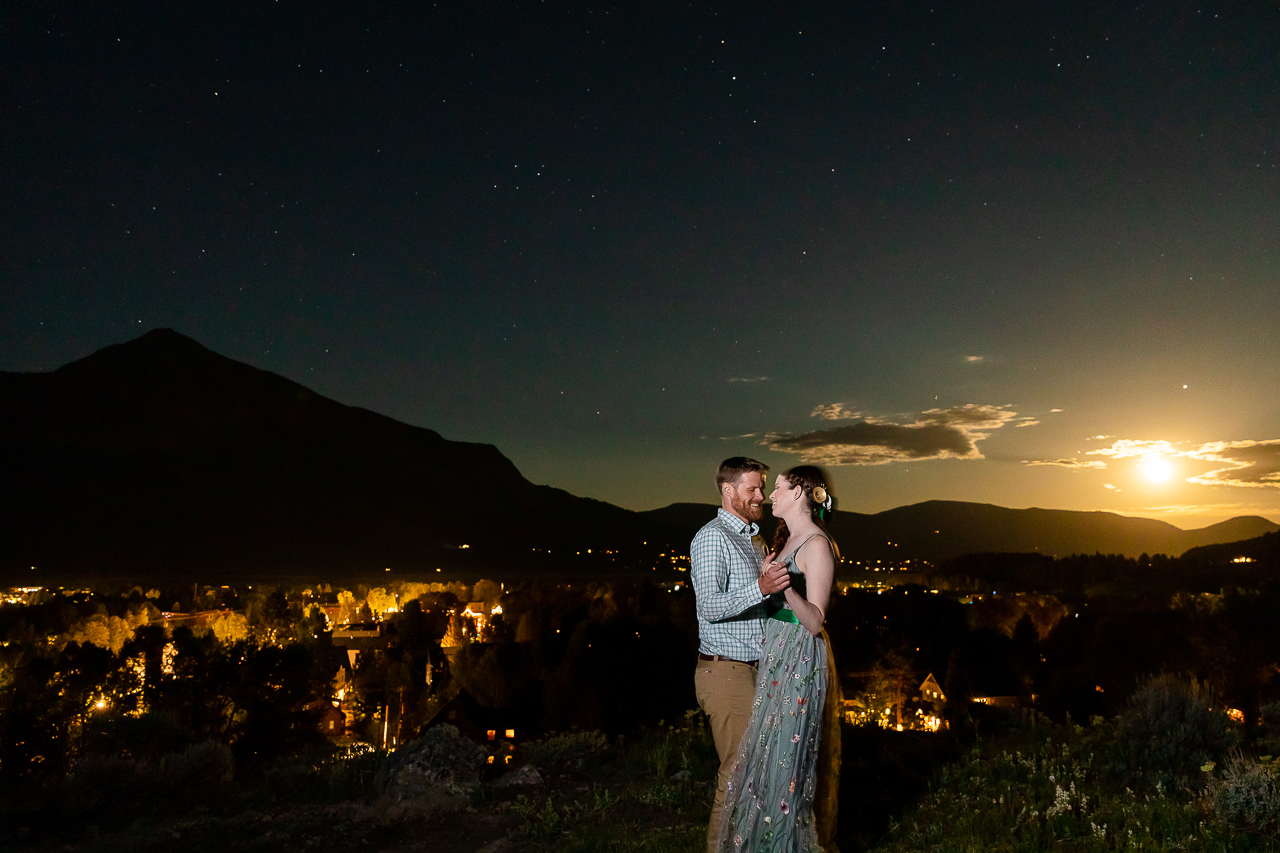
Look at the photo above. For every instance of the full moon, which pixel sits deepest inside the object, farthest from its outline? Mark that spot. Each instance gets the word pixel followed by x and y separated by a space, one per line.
pixel 1157 470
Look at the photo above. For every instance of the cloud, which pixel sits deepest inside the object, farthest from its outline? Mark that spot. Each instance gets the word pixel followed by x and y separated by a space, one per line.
pixel 1074 464
pixel 934 434
pixel 1111 487
pixel 974 359
pixel 1248 463
pixel 1127 448
pixel 1026 422
pixel 1055 410
pixel 1254 464
pixel 833 412
pixel 1208 509
pixel 750 379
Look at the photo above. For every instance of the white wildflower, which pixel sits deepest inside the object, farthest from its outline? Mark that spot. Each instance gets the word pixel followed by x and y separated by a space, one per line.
pixel 1061 803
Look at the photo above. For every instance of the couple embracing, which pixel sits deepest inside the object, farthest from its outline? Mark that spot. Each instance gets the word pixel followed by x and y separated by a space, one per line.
pixel 765 676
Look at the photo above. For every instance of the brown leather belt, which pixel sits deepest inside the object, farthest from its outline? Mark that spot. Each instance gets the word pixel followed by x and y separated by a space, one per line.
pixel 701 656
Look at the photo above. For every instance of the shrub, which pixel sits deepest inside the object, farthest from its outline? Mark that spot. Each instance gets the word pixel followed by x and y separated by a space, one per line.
pixel 351 775
pixel 146 737
pixel 1172 726
pixel 111 787
pixel 1247 796
pixel 297 778
pixel 198 768
pixel 101 784
pixel 565 749
pixel 1268 734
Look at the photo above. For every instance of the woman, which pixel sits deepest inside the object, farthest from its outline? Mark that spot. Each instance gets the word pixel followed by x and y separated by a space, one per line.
pixel 769 801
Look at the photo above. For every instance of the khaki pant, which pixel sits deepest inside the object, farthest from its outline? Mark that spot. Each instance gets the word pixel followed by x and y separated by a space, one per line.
pixel 725 692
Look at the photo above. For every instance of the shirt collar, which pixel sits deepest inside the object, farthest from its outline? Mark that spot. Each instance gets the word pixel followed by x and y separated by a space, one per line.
pixel 737 525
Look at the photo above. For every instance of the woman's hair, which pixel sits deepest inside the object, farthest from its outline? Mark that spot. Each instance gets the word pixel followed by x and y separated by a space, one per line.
pixel 807 477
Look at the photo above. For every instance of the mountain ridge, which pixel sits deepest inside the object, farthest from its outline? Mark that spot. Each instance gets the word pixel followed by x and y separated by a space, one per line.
pixel 907 532
pixel 159 454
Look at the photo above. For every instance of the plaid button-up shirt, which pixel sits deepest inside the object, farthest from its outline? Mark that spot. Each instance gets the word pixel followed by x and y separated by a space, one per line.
pixel 725 562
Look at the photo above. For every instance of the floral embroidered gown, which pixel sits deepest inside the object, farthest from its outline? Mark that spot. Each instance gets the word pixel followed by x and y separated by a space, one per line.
pixel 768 802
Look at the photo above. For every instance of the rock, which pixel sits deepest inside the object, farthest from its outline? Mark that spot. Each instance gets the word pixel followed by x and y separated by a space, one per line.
pixel 526 775
pixel 442 756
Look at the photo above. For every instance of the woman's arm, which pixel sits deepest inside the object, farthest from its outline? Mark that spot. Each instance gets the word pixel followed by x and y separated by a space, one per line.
pixel 818 564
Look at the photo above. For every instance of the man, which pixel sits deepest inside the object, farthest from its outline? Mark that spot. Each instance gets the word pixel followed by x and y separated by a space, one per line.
pixel 731 592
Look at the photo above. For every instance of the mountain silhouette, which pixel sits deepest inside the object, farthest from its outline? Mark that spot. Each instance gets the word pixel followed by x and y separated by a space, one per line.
pixel 161 456
pixel 939 530
pixel 1264 551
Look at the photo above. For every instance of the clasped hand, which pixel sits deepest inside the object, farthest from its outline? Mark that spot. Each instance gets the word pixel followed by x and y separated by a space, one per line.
pixel 773 576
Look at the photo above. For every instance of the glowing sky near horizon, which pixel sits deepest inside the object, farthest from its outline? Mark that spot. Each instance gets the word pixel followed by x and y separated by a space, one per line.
pixel 1022 254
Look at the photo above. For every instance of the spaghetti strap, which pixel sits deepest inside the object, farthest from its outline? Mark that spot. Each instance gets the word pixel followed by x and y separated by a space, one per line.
pixel 792 556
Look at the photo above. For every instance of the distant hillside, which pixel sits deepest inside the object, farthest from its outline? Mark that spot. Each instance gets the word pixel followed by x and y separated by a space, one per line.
pixel 940 530
pixel 160 454
pixel 1263 551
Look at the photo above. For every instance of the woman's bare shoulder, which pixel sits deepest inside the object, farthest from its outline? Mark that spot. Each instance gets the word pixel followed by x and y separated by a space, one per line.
pixel 817 546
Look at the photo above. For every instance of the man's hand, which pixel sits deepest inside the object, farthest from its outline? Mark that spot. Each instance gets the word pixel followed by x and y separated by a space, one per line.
pixel 773 576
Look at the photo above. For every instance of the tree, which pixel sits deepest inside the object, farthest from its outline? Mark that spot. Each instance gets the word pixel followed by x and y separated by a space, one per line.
pixel 490 673
pixel 350 608
pixel 892 679
pixel 487 591
pixel 312 626
pixel 268 614
pixel 411 591
pixel 229 626
pixel 380 602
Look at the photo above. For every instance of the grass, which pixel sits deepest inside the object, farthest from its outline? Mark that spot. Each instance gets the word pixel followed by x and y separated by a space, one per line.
pixel 1111 786
pixel 1056 788
pixel 654 795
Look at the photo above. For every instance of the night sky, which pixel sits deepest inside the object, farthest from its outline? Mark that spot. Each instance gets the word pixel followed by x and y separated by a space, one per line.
pixel 1017 253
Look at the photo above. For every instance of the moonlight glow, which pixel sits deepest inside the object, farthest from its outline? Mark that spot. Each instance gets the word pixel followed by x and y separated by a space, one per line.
pixel 1156 469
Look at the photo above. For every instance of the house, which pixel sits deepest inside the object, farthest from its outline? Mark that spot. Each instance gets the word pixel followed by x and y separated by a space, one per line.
pixel 359 637
pixel 930 691
pixel 496 729
pixel 999 689
pixel 476 611
pixel 333 723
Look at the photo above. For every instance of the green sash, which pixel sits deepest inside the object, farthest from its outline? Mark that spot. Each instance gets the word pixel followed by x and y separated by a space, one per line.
pixel 785 615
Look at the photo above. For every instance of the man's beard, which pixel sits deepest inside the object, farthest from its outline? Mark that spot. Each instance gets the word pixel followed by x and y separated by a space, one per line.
pixel 746 510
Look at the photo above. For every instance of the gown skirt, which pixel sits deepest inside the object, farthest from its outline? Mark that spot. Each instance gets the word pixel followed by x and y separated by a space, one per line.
pixel 769 799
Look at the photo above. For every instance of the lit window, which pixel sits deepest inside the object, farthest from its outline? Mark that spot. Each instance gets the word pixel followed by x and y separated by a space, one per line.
pixel 491 734
pixel 511 733
pixel 490 759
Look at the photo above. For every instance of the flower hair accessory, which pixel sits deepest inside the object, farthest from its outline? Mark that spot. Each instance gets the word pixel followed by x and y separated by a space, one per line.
pixel 822 499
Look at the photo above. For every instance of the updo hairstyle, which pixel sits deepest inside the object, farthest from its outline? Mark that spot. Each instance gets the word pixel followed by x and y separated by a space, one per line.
pixel 808 477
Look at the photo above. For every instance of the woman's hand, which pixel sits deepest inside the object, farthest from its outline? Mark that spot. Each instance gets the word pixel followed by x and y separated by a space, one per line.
pixel 773 576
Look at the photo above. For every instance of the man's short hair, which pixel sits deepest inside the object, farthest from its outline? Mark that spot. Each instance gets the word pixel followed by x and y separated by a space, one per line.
pixel 735 466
